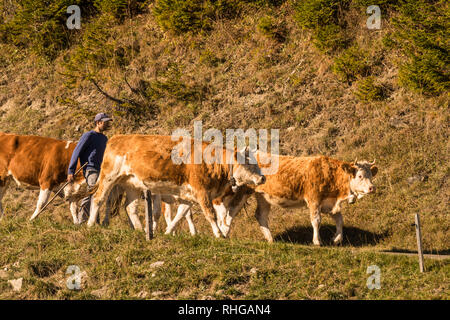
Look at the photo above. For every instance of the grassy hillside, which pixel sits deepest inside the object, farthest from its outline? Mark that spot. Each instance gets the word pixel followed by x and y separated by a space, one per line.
pixel 309 68
pixel 117 263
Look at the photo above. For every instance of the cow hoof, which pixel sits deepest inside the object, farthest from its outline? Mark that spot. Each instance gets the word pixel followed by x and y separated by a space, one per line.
pixel 338 239
pixel 225 230
pixel 317 243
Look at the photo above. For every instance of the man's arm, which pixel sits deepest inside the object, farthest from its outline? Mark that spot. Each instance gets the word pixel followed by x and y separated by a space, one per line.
pixel 76 153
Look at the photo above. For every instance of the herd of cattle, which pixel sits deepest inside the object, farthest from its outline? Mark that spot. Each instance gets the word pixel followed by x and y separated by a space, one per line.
pixel 135 163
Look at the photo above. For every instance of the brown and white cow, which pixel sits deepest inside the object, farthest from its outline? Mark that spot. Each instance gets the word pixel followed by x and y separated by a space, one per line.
pixel 321 183
pixel 144 162
pixel 38 163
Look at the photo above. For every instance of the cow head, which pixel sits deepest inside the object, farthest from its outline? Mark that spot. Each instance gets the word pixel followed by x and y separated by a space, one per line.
pixel 245 169
pixel 76 190
pixel 361 178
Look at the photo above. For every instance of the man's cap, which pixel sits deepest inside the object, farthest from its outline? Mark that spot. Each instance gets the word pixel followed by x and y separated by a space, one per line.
pixel 102 117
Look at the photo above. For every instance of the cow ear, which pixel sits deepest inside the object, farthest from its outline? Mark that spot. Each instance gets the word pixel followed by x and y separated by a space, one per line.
pixel 350 168
pixel 374 170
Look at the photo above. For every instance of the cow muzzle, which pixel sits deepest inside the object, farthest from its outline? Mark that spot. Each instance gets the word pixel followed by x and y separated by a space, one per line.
pixel 261 180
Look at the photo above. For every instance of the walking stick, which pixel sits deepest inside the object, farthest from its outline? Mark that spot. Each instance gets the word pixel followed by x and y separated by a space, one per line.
pixel 57 192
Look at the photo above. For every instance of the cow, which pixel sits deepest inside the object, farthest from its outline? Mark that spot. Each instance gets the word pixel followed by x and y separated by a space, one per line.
pixel 320 182
pixel 145 162
pixel 40 163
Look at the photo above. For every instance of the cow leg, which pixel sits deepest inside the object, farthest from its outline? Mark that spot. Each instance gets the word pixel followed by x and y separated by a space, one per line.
pixel 262 215
pixel 132 205
pixel 44 194
pixel 2 193
pixel 181 212
pixel 113 204
pixel 314 210
pixel 73 205
pixel 338 237
pixel 191 223
pixel 156 211
pixel 208 210
pixel 221 213
pixel 130 223
pixel 98 199
pixel 226 215
pixel 105 221
pixel 168 213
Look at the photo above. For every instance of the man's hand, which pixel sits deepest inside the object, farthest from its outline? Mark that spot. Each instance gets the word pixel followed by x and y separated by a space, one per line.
pixel 70 178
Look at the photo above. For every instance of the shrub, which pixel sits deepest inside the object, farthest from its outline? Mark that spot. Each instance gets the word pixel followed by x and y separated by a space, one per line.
pixel 121 8
pixel 324 19
pixel 171 85
pixel 368 90
pixel 421 33
pixel 383 4
pixel 266 26
pixel 181 16
pixel 94 52
pixel 40 26
pixel 351 64
pixel 208 58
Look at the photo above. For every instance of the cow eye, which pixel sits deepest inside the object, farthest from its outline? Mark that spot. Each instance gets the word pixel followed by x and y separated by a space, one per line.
pixel 360 176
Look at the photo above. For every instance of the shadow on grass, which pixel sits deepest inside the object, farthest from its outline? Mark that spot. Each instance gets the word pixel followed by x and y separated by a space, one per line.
pixel 353 236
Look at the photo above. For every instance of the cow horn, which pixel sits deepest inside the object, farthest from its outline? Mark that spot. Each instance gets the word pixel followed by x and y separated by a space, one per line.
pixel 355 162
pixel 373 162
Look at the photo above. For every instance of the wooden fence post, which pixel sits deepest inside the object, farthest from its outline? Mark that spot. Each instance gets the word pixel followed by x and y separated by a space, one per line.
pixel 148 215
pixel 419 243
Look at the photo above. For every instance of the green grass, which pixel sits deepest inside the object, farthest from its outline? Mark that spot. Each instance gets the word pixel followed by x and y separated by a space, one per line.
pixel 116 263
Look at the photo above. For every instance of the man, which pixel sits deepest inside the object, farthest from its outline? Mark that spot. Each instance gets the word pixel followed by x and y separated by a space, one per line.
pixel 90 149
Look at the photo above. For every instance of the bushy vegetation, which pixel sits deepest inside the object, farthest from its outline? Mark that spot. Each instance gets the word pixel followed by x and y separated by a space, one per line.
pixel 94 53
pixel 41 25
pixel 324 18
pixel 421 33
pixel 121 9
pixel 181 16
pixel 420 30
pixel 369 90
pixel 351 64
